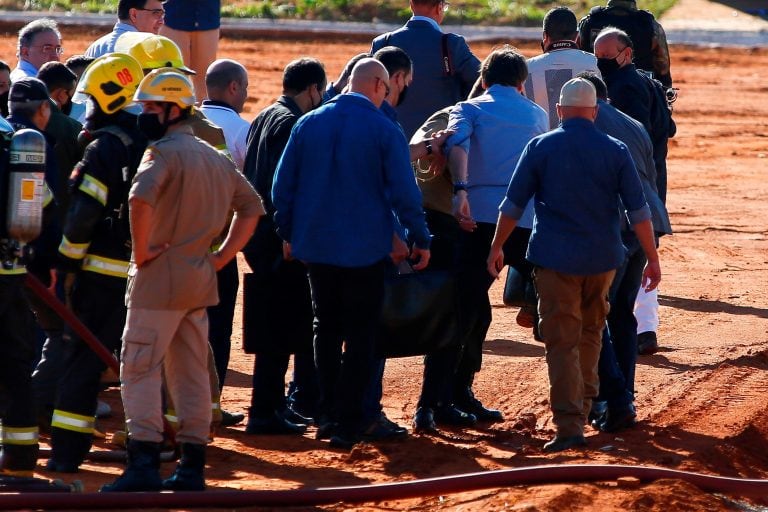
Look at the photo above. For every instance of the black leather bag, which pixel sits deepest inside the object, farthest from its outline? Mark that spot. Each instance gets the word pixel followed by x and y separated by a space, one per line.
pixel 519 291
pixel 419 315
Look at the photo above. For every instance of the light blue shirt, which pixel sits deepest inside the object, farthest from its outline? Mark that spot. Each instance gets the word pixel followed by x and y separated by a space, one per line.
pixel 24 69
pixel 430 20
pixel 493 129
pixel 106 43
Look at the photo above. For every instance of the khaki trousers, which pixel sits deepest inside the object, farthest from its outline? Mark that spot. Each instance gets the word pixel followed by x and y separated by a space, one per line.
pixel 174 341
pixel 572 312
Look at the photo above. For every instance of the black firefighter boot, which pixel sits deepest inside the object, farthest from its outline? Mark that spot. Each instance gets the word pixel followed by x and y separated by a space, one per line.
pixel 189 471
pixel 143 470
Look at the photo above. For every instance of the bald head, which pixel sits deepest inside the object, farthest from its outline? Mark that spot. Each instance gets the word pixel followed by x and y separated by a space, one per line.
pixel 370 78
pixel 614 44
pixel 227 80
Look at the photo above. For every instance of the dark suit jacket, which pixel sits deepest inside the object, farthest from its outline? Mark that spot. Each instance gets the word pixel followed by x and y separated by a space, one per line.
pixel 432 89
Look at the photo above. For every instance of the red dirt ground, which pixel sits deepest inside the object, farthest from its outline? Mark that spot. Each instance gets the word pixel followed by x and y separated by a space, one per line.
pixel 701 400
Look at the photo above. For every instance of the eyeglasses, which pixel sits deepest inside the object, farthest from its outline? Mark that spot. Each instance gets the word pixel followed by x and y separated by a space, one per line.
pixel 386 85
pixel 49 48
pixel 157 13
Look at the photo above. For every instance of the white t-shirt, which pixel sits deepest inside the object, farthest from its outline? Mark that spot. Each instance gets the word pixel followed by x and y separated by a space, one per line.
pixel 235 129
pixel 549 71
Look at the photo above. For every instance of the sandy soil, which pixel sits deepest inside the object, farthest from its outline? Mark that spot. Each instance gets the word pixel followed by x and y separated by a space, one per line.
pixel 701 400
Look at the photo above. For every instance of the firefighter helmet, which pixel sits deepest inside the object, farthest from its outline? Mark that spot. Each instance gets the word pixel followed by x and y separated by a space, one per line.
pixel 153 51
pixel 111 80
pixel 166 85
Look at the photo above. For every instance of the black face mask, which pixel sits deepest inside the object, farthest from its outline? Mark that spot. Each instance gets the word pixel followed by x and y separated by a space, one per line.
pixel 150 125
pixel 4 103
pixel 607 66
pixel 95 118
pixel 401 98
pixel 66 109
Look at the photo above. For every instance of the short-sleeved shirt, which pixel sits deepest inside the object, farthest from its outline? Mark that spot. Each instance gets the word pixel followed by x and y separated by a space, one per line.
pixel 192 187
pixel 548 72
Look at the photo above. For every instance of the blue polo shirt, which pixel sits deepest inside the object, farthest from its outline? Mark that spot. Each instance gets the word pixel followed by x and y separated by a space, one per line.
pixel 576 175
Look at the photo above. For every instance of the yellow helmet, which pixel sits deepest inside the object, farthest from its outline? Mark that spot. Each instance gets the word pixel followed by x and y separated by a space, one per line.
pixel 111 80
pixel 166 85
pixel 153 51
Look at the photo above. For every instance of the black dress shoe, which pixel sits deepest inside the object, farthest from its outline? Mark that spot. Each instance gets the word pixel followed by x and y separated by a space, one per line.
pixel 558 444
pixel 343 441
pixel 381 430
pixel 273 425
pixel 482 413
pixel 450 415
pixel 597 413
pixel 326 428
pixel 647 343
pixel 618 419
pixel 392 425
pixel 424 421
pixel 230 419
pixel 295 417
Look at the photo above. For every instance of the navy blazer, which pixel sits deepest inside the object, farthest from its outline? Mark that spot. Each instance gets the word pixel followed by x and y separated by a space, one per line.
pixel 432 89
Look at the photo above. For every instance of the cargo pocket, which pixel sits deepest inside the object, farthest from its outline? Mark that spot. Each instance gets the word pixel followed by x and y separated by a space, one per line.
pixel 138 346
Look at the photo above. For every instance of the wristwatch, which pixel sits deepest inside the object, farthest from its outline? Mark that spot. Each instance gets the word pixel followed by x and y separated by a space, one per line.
pixel 459 185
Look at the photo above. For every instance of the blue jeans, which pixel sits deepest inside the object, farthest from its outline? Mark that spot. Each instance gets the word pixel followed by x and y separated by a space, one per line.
pixel 619 351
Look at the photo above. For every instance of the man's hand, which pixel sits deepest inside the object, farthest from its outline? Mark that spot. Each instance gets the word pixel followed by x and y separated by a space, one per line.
pixel 495 262
pixel 400 250
pixel 461 211
pixel 651 275
pixel 287 256
pixel 420 255
pixel 438 141
pixel 143 257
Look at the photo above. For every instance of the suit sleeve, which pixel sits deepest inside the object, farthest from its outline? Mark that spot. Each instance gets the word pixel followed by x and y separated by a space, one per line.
pixel 466 66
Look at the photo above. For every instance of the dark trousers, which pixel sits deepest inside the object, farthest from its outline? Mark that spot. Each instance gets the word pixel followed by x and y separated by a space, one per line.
pixel 618 355
pixel 221 316
pixel 440 366
pixel 50 361
pixel 347 304
pixel 269 371
pixel 16 357
pixel 474 283
pixel 99 302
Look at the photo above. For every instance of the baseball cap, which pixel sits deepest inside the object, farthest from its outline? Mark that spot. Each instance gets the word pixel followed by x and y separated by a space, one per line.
pixel 28 89
pixel 578 92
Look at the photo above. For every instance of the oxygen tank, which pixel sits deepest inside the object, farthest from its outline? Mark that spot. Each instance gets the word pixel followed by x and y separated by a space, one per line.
pixel 26 186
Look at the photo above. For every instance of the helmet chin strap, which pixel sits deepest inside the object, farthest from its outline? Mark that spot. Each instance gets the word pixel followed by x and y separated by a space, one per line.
pixel 168 122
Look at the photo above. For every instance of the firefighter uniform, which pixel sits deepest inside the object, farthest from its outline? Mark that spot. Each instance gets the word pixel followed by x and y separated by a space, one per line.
pixel 19 431
pixel 94 253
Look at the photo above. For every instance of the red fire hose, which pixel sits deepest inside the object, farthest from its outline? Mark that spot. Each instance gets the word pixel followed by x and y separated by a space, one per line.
pixel 82 331
pixel 536 475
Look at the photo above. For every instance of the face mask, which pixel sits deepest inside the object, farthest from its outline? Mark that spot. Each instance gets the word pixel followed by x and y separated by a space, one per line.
pixel 607 66
pixel 66 109
pixel 4 103
pixel 150 125
pixel 401 99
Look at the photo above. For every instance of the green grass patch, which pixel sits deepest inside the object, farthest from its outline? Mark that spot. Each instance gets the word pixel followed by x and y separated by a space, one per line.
pixel 473 12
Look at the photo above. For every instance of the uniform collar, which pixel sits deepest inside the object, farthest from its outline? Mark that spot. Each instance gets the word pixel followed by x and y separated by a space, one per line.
pixel 219 104
pixel 561 45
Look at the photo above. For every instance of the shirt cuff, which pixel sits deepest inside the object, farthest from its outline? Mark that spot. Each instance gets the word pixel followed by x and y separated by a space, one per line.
pixel 510 209
pixel 640 215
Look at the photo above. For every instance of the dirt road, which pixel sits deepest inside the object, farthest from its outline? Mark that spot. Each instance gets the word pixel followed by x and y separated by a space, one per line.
pixel 701 401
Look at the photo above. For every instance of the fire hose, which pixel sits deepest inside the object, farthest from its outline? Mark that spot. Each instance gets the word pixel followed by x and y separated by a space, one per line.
pixel 536 475
pixel 39 289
